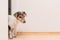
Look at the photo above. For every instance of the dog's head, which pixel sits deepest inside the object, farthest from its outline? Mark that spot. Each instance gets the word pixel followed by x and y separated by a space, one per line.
pixel 20 16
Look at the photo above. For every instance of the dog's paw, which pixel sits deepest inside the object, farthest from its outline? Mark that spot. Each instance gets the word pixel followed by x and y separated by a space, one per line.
pixel 14 36
pixel 10 37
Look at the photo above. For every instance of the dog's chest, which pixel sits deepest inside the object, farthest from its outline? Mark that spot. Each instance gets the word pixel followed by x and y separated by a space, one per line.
pixel 12 21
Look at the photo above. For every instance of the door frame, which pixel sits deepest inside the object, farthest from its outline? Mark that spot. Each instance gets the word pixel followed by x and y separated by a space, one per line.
pixel 9 7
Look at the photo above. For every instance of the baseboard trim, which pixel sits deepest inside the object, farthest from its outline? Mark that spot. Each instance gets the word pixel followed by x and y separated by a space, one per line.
pixel 38 33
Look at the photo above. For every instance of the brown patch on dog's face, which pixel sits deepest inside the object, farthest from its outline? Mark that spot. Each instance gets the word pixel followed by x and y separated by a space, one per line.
pixel 17 14
pixel 24 14
pixel 20 16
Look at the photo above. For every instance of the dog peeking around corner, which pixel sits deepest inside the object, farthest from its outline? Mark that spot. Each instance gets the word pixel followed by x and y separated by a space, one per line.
pixel 13 21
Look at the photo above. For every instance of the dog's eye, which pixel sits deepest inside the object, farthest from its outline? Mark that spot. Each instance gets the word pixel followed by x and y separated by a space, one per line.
pixel 20 17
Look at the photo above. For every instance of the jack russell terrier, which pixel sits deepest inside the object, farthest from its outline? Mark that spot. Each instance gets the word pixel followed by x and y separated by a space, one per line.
pixel 13 21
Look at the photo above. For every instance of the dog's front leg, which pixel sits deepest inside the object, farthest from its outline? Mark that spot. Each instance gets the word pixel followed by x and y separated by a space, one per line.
pixel 14 32
pixel 10 35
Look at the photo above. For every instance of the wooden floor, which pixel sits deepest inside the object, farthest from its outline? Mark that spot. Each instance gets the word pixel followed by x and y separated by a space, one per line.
pixel 37 36
pixel 38 33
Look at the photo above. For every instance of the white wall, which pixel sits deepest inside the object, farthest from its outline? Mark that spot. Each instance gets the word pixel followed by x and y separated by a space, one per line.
pixel 42 15
pixel 3 19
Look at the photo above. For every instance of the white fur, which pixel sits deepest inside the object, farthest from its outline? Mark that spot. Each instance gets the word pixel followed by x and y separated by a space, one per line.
pixel 12 22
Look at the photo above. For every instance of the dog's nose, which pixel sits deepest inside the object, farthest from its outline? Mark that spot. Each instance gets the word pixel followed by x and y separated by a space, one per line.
pixel 24 21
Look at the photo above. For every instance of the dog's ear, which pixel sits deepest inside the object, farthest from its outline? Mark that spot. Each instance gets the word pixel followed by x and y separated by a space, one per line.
pixel 24 13
pixel 17 14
